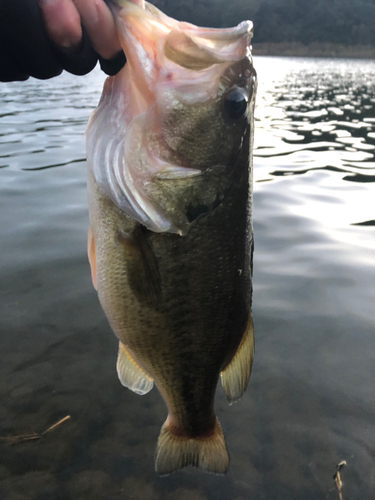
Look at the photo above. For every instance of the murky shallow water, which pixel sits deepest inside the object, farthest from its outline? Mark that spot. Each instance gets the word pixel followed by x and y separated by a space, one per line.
pixel 311 400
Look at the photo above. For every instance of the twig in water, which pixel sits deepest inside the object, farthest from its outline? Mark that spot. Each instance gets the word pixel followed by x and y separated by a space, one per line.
pixel 53 427
pixel 31 437
pixel 337 478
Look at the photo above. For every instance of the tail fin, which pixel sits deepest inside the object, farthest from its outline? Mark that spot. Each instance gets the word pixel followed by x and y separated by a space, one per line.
pixel 208 452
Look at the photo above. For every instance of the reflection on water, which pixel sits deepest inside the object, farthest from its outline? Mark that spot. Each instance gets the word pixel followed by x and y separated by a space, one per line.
pixel 310 403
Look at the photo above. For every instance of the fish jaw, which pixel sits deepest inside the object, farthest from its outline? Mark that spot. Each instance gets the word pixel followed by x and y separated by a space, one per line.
pixel 168 56
pixel 131 142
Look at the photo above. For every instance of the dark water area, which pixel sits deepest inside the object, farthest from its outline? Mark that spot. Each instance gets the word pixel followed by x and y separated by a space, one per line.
pixel 311 399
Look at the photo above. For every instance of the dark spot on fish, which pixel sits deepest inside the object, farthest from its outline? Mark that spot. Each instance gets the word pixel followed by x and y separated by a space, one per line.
pixel 193 212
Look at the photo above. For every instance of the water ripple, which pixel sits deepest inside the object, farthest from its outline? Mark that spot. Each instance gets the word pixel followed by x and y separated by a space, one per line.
pixel 322 119
pixel 310 402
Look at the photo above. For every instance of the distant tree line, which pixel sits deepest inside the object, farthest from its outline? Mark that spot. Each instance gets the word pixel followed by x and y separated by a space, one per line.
pixel 348 22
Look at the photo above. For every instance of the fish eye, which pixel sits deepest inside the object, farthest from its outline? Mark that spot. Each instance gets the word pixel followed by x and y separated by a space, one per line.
pixel 235 104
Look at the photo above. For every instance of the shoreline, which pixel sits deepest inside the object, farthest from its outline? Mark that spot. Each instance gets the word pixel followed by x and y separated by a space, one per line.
pixel 298 49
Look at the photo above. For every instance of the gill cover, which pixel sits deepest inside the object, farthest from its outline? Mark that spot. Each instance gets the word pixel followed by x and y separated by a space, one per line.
pixel 169 64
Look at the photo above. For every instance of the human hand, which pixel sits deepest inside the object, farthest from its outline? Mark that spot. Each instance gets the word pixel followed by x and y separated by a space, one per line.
pixel 40 38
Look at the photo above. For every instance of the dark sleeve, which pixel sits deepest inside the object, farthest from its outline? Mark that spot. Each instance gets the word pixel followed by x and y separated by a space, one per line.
pixel 26 50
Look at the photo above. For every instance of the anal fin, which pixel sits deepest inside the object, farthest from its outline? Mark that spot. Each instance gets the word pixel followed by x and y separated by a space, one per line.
pixel 131 375
pixel 235 376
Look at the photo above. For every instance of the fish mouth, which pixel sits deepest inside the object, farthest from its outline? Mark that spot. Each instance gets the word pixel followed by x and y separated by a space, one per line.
pixel 162 37
pixel 244 28
pixel 225 34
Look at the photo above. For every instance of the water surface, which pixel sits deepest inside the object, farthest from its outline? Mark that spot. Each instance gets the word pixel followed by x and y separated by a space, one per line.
pixel 311 400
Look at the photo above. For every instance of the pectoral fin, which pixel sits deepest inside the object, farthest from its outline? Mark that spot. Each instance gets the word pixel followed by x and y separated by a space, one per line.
pixel 91 255
pixel 235 376
pixel 131 375
pixel 143 271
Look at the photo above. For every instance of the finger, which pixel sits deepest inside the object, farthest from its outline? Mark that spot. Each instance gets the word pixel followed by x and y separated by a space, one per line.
pixel 9 72
pixel 82 62
pixel 113 65
pixel 62 22
pixel 25 39
pixel 100 25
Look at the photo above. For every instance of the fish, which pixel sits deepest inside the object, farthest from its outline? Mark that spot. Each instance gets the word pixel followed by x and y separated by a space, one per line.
pixel 170 242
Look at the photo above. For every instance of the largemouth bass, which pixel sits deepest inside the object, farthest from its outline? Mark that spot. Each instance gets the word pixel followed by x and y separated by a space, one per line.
pixel 169 152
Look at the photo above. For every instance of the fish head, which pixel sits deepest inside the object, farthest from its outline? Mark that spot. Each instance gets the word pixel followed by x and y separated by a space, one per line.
pixel 204 109
pixel 185 99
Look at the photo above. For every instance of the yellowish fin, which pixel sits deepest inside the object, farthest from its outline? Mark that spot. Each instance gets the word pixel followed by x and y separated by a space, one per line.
pixel 175 450
pixel 235 376
pixel 91 256
pixel 131 375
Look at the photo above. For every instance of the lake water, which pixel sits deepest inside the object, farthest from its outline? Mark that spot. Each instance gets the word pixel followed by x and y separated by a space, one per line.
pixel 311 399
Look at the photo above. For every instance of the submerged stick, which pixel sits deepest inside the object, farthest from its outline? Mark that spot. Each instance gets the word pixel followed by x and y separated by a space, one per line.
pixel 337 478
pixel 31 437
pixel 53 427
